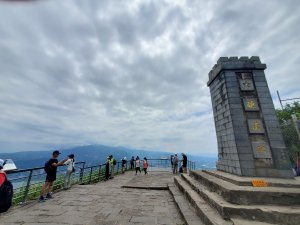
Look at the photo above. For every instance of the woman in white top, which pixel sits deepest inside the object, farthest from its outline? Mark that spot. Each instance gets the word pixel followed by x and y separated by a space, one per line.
pixel 70 169
pixel 137 165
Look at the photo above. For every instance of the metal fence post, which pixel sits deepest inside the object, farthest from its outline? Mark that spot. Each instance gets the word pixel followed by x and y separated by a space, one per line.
pixel 91 172
pixel 81 175
pixel 99 173
pixel 27 187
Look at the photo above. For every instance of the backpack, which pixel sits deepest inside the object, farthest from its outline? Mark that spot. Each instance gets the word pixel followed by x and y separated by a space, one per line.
pixel 6 195
pixel 114 162
pixel 47 167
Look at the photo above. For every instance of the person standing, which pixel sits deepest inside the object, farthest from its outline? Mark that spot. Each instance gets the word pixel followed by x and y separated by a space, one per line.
pixel 6 190
pixel 172 161
pixel 297 168
pixel 50 169
pixel 184 163
pixel 113 162
pixel 175 166
pixel 107 165
pixel 145 165
pixel 137 165
pixel 70 169
pixel 132 163
pixel 124 163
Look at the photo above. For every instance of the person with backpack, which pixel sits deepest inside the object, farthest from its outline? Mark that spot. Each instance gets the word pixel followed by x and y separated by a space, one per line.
pixel 175 166
pixel 107 164
pixel 137 165
pixel 50 169
pixel 6 190
pixel 145 166
pixel 124 164
pixel 113 162
pixel 132 163
pixel 70 169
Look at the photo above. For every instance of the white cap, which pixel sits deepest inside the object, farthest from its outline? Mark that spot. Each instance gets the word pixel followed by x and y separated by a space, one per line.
pixel 1 162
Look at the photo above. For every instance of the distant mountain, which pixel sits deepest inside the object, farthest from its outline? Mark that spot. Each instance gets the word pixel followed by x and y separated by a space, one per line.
pixel 93 155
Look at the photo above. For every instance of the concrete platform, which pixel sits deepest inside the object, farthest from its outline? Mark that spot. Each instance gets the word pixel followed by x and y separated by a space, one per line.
pixel 104 203
pixel 155 180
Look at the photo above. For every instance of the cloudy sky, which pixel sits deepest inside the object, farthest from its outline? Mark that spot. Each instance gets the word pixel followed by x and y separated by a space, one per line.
pixel 132 73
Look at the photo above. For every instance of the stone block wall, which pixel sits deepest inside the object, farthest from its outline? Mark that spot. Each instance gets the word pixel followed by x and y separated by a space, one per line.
pixel 250 142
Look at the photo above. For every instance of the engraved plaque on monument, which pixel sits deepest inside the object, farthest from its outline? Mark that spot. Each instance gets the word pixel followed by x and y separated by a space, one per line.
pixel 261 150
pixel 245 108
pixel 246 82
pixel 256 126
pixel 250 104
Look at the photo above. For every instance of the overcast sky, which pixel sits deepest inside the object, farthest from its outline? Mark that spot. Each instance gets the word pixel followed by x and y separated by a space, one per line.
pixel 132 73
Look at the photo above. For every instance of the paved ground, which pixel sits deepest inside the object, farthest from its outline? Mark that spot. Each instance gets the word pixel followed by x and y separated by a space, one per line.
pixel 103 203
pixel 153 180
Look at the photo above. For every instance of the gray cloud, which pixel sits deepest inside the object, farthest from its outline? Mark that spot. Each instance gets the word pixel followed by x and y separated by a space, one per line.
pixel 131 73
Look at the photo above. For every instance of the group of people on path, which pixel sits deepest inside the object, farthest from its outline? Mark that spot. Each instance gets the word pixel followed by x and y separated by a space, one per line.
pixel 175 162
pixel 51 170
pixel 137 165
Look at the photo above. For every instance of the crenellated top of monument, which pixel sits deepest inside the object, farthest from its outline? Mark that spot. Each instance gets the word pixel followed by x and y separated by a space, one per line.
pixel 235 63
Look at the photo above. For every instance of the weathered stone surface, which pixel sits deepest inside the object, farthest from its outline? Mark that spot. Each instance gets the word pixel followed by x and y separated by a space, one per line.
pixel 103 203
pixel 248 195
pixel 250 142
pixel 219 199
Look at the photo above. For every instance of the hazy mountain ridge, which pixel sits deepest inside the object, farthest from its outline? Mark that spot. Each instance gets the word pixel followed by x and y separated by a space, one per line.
pixel 93 155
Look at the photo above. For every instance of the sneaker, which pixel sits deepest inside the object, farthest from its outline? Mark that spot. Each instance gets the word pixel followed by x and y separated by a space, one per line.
pixel 41 199
pixel 49 196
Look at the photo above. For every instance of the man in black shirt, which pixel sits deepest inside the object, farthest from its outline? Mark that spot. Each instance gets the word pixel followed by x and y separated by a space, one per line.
pixel 184 162
pixel 50 169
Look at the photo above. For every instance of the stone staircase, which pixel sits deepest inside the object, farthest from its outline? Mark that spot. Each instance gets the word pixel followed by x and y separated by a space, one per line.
pixel 209 198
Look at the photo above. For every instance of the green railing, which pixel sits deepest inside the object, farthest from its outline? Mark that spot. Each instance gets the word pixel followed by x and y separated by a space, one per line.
pixel 28 182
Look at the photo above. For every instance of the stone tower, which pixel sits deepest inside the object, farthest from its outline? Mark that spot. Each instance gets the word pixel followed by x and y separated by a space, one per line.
pixel 250 142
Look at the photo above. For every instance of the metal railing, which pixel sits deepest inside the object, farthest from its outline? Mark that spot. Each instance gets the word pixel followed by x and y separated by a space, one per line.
pixel 28 182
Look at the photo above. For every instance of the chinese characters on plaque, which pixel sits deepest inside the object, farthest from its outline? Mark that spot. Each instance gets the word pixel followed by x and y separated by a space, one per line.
pixel 250 104
pixel 261 150
pixel 255 126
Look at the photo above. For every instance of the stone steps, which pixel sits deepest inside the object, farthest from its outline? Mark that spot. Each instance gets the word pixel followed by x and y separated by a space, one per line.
pixel 187 212
pixel 247 181
pixel 287 215
pixel 206 213
pixel 246 195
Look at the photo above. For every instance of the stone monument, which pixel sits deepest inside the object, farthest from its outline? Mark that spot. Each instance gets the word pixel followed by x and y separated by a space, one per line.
pixel 250 142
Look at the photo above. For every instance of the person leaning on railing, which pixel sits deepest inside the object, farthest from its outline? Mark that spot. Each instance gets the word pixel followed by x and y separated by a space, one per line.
pixel 50 169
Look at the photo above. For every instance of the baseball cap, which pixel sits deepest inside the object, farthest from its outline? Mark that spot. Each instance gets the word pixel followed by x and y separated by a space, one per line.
pixel 56 152
pixel 71 155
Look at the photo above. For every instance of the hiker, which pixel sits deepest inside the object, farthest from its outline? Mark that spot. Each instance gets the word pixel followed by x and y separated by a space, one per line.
pixel 50 169
pixel 113 162
pixel 6 189
pixel 70 169
pixel 132 163
pixel 172 161
pixel 124 164
pixel 107 165
pixel 137 165
pixel 297 167
pixel 175 166
pixel 184 163
pixel 145 165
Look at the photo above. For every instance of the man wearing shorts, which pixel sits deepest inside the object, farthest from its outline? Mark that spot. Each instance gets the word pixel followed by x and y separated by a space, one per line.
pixel 50 168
